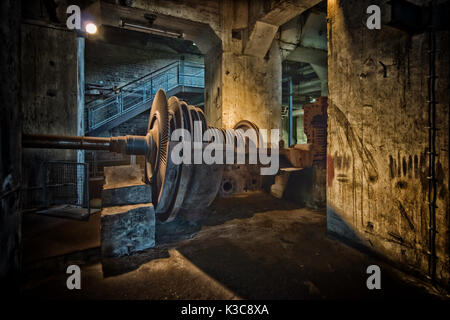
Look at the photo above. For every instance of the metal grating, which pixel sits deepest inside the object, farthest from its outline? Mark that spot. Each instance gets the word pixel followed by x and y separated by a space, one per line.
pixel 65 183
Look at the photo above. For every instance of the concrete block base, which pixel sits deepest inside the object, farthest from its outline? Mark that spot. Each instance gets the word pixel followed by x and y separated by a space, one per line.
pixel 127 229
pixel 281 180
pixel 125 195
pixel 120 176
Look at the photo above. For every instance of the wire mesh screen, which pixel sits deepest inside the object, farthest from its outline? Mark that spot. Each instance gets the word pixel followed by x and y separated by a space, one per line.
pixel 65 183
pixel 32 197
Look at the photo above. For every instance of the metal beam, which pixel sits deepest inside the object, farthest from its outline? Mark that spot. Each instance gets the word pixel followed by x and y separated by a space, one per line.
pixel 291 116
pixel 80 113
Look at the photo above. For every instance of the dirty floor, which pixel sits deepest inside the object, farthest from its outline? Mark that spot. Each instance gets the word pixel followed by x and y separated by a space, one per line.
pixel 246 247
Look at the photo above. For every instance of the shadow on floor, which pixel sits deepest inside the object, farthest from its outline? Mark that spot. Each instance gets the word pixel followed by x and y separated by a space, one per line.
pixel 251 247
pixel 188 224
pixel 293 269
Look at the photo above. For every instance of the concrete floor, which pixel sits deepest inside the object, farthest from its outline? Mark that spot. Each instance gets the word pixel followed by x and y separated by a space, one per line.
pixel 245 247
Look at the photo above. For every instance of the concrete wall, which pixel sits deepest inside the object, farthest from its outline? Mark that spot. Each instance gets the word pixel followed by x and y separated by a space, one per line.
pixel 213 87
pixel 377 139
pixel 135 126
pixel 49 93
pixel 243 72
pixel 252 89
pixel 10 148
pixel 238 85
pixel 203 11
pixel 241 86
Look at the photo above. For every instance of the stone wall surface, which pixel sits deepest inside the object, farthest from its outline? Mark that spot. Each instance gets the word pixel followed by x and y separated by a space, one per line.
pixel 213 87
pixel 251 89
pixel 10 148
pixel 377 164
pixel 49 92
pixel 135 126
pixel 117 65
pixel 241 86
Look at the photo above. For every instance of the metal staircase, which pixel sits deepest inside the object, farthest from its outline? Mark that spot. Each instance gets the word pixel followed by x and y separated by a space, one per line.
pixel 186 80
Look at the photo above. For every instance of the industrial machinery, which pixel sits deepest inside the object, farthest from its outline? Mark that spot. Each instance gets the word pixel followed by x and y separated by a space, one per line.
pixel 173 186
pixel 188 186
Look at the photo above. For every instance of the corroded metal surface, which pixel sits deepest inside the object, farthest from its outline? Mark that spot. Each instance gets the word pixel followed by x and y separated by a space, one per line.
pixel 158 146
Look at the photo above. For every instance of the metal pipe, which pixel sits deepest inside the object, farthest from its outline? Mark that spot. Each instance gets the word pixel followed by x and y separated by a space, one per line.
pixel 136 145
pixel 65 142
pixel 137 27
pixel 432 188
pixel 133 145
pixel 291 120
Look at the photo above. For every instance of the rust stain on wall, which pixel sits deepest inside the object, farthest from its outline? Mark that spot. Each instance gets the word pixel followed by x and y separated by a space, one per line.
pixel 330 170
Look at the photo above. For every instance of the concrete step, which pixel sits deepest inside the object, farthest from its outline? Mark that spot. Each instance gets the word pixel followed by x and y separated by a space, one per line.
pixel 126 195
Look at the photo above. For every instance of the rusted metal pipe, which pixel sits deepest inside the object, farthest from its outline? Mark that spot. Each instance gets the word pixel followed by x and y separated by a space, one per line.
pixel 136 145
pixel 65 142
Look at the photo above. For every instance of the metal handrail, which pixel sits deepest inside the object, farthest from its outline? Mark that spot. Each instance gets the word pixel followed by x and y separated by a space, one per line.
pixel 116 90
pixel 151 74
pixel 141 91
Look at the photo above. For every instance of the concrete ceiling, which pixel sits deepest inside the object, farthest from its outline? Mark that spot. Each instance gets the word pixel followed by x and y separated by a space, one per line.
pixel 304 39
pixel 141 40
pixel 107 14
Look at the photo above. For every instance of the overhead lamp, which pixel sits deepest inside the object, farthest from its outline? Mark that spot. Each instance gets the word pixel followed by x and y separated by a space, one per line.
pixel 90 28
pixel 131 25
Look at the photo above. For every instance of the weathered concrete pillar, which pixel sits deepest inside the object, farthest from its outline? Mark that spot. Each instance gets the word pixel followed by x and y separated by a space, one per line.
pixel 242 87
pixel 242 56
pixel 243 73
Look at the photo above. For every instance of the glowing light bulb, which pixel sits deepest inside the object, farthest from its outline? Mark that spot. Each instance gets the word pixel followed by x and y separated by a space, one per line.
pixel 91 28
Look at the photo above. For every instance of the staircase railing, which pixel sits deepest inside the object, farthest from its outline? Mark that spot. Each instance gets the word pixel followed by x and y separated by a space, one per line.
pixel 141 91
